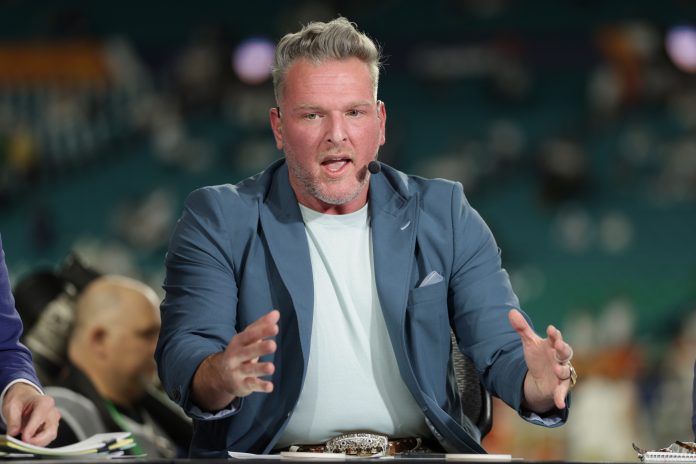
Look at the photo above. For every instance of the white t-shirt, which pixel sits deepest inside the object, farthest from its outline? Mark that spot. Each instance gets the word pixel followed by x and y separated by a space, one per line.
pixel 353 381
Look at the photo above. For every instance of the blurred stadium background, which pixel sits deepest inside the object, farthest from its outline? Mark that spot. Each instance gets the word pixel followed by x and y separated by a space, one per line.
pixel 571 124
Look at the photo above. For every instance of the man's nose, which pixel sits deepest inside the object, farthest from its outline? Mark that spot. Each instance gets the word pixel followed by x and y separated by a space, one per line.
pixel 335 132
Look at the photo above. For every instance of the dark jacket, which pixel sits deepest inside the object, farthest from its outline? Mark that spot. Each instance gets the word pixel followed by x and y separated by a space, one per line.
pixel 89 413
pixel 15 358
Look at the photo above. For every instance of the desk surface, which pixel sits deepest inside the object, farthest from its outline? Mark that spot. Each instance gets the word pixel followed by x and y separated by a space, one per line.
pixel 389 460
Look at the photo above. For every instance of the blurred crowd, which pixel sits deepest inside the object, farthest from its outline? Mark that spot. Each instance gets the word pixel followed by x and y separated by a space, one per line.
pixel 575 141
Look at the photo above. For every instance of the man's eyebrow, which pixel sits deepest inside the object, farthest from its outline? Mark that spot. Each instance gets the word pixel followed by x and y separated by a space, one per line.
pixel 360 103
pixel 306 107
pixel 302 109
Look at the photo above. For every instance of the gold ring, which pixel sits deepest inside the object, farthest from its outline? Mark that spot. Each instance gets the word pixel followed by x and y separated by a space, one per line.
pixel 573 377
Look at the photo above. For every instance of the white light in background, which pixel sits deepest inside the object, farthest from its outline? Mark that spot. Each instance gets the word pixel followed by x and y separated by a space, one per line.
pixel 253 60
pixel 680 43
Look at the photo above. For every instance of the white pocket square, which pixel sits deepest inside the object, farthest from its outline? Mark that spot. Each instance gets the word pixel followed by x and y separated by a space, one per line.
pixel 432 278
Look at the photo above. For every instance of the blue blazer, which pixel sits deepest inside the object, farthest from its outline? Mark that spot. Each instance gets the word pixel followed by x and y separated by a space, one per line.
pixel 239 251
pixel 15 358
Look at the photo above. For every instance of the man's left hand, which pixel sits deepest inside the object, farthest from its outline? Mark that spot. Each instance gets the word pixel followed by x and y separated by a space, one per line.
pixel 548 360
pixel 30 414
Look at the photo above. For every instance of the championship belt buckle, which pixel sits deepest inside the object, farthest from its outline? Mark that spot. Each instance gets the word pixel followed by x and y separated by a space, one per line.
pixel 359 444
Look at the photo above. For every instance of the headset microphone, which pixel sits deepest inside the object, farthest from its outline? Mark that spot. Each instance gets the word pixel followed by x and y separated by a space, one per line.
pixel 374 167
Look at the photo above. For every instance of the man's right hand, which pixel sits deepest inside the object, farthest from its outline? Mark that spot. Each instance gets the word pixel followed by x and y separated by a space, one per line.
pixel 236 372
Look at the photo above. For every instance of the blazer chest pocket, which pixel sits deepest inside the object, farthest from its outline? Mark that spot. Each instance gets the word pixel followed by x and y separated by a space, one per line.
pixel 428 294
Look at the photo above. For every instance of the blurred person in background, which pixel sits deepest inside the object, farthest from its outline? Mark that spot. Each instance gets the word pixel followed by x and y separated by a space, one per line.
pixel 45 299
pixel 368 271
pixel 25 411
pixel 111 366
pixel 607 411
pixel 671 417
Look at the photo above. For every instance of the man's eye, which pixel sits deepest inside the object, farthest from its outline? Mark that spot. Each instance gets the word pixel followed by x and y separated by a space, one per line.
pixel 354 113
pixel 311 116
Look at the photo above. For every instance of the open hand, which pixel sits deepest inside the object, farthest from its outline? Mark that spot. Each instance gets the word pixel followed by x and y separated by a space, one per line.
pixel 239 364
pixel 548 360
pixel 236 372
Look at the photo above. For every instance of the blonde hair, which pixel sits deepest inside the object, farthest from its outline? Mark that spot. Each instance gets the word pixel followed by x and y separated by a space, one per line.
pixel 317 41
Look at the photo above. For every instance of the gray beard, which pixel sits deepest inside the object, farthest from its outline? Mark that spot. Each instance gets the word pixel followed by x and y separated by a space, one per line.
pixel 313 188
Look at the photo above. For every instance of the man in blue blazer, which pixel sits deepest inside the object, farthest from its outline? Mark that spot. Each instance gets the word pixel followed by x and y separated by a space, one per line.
pixel 311 305
pixel 25 410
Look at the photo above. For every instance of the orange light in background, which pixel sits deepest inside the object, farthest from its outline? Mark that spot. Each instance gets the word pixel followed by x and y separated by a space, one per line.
pixel 69 62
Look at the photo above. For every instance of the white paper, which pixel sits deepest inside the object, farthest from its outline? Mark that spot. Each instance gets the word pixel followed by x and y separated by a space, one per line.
pixel 88 446
pixel 240 455
pixel 479 457
pixel 662 456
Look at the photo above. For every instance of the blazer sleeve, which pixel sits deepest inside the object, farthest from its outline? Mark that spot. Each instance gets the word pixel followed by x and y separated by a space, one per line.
pixel 15 358
pixel 481 297
pixel 199 309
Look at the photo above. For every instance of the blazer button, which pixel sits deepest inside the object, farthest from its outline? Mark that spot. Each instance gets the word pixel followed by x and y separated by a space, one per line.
pixel 176 395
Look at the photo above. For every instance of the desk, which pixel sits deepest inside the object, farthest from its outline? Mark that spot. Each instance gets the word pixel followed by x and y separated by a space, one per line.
pixel 286 461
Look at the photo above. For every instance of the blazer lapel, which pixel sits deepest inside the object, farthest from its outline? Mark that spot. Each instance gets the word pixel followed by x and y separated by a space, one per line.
pixel 285 232
pixel 394 223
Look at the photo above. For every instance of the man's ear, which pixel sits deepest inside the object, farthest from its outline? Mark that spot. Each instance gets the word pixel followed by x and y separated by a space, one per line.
pixel 277 126
pixel 97 338
pixel 382 117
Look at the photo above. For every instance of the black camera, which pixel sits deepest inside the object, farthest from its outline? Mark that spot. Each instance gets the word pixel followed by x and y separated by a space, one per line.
pixel 45 300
